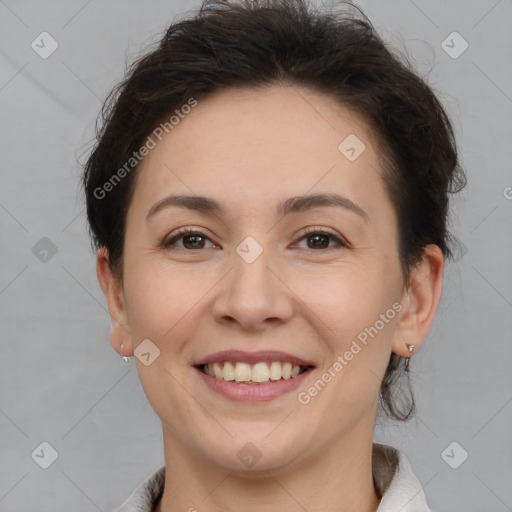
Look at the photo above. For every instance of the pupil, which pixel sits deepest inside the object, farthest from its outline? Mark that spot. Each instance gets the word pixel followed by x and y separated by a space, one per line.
pixel 188 238
pixel 316 237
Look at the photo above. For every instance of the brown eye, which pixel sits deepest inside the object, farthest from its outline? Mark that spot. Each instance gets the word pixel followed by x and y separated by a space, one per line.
pixel 321 240
pixel 191 240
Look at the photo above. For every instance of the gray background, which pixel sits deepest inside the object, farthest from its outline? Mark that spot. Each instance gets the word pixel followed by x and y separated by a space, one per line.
pixel 61 381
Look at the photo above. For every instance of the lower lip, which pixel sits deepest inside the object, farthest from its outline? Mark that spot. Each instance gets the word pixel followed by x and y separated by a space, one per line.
pixel 253 392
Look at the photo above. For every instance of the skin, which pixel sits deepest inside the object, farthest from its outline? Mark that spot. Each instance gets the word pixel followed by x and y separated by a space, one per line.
pixel 250 149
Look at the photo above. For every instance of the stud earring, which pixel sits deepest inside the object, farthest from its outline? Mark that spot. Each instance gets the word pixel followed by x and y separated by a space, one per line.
pixel 411 350
pixel 126 359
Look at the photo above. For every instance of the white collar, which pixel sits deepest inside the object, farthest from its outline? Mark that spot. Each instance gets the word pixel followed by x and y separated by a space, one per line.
pixel 404 492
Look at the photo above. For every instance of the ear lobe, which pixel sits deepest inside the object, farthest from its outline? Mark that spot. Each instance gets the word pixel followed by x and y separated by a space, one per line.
pixel 420 301
pixel 112 287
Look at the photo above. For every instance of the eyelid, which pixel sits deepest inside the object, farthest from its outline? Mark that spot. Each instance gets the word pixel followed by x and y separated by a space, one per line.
pixel 183 232
pixel 340 240
pixel 310 230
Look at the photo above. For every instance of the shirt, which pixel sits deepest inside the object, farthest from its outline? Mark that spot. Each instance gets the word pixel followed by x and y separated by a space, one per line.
pixel 395 484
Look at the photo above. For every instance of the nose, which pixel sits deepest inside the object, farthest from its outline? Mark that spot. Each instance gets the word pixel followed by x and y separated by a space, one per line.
pixel 254 295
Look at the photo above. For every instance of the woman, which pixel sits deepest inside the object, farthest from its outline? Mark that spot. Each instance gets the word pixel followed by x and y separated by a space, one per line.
pixel 269 198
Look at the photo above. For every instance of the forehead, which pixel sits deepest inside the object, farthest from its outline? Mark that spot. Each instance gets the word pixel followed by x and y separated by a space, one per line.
pixel 255 147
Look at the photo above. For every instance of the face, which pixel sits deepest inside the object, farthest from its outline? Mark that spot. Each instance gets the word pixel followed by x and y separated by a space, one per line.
pixel 313 280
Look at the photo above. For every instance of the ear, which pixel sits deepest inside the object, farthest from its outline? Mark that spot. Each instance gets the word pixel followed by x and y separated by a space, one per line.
pixel 420 301
pixel 114 294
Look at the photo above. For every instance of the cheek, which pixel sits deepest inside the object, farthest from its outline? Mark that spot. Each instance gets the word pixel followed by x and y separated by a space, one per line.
pixel 345 299
pixel 160 305
pixel 356 341
pixel 352 311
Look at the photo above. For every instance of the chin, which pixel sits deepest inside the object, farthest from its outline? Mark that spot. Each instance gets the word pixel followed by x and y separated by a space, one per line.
pixel 254 456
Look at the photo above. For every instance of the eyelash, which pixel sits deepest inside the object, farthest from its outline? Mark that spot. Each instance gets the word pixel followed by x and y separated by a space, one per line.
pixel 183 232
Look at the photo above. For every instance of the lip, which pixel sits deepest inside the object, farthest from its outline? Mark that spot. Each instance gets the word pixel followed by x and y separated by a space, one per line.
pixel 262 356
pixel 252 392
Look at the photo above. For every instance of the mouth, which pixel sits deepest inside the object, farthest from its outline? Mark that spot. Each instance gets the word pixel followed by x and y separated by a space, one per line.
pixel 260 373
pixel 253 377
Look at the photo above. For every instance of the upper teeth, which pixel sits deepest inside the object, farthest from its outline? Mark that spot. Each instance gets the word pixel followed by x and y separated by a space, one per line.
pixel 259 372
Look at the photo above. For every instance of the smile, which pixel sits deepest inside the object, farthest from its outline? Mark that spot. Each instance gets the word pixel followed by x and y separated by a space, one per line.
pixel 243 390
pixel 259 373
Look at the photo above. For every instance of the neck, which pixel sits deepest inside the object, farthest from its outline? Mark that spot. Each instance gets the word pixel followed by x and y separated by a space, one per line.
pixel 337 478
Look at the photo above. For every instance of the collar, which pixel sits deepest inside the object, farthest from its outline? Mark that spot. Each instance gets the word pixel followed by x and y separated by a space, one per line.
pixel 395 482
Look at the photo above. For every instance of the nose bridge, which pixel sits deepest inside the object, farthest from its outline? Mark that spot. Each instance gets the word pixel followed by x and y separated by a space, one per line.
pixel 252 292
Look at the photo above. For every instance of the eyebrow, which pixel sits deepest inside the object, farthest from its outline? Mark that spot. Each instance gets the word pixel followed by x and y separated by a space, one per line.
pixel 294 204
